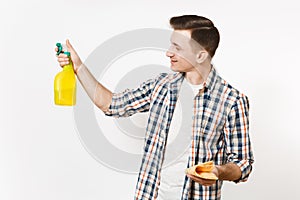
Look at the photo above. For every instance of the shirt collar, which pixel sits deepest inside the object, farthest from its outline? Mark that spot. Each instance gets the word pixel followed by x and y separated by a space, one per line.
pixel 176 77
pixel 211 79
pixel 209 83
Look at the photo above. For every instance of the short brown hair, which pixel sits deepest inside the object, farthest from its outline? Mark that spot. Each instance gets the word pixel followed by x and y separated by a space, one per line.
pixel 202 30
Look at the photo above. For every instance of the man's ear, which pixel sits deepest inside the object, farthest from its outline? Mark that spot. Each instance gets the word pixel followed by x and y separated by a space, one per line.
pixel 202 55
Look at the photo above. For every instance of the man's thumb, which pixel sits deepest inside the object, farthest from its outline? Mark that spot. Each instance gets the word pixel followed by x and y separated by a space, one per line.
pixel 69 46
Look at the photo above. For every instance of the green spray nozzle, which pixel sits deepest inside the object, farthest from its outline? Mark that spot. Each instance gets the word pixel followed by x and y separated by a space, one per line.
pixel 60 48
pixel 67 53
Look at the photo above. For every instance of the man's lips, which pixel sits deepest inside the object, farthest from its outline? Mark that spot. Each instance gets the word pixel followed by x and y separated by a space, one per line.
pixel 173 61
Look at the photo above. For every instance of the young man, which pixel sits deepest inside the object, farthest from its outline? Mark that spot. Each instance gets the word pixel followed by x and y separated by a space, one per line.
pixel 219 129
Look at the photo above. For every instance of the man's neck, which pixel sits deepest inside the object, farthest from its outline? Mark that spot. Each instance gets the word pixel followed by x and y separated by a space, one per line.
pixel 199 75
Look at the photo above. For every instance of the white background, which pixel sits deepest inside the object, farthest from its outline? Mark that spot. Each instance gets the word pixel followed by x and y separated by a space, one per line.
pixel 41 156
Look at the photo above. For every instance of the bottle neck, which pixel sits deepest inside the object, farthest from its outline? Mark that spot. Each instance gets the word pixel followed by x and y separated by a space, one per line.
pixel 68 67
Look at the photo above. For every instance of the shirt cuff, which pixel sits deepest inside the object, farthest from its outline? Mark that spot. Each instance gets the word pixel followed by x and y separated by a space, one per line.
pixel 111 111
pixel 246 168
pixel 108 112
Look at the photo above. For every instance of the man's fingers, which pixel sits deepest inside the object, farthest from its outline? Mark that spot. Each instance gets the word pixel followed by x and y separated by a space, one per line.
pixel 63 63
pixel 62 55
pixel 204 182
pixel 193 177
pixel 62 59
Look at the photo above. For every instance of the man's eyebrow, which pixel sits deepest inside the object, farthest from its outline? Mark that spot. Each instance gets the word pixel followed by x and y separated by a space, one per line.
pixel 175 44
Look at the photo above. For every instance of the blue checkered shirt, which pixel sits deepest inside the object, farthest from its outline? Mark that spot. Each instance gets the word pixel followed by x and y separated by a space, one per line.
pixel 220 130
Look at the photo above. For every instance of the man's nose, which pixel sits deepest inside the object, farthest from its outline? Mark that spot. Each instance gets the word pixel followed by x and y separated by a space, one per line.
pixel 169 53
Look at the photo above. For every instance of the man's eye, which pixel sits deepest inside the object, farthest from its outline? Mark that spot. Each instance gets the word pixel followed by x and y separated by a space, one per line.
pixel 175 48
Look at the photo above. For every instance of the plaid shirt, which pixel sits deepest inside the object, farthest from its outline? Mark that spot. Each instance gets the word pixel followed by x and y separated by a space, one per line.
pixel 220 130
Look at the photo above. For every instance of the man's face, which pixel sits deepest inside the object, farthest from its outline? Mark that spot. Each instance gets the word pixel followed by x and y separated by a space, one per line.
pixel 183 58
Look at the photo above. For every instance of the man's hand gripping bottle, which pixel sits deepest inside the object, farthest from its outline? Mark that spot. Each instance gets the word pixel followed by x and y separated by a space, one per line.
pixel 65 83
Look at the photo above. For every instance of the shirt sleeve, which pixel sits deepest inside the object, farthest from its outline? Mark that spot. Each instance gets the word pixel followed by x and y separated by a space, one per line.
pixel 238 148
pixel 131 101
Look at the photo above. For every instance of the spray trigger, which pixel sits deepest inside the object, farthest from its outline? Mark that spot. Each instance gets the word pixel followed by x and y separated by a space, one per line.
pixel 60 48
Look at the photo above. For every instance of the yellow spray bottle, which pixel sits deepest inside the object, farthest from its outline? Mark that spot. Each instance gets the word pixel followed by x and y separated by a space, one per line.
pixel 65 83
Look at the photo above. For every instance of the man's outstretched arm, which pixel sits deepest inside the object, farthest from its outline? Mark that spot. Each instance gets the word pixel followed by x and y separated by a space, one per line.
pixel 99 94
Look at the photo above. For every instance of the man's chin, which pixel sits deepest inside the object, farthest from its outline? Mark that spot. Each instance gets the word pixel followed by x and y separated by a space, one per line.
pixel 174 69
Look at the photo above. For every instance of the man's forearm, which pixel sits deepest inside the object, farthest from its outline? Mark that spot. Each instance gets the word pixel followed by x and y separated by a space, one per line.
pixel 99 94
pixel 229 171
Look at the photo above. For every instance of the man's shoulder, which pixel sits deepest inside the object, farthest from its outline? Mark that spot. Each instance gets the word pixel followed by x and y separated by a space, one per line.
pixel 166 78
pixel 232 92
